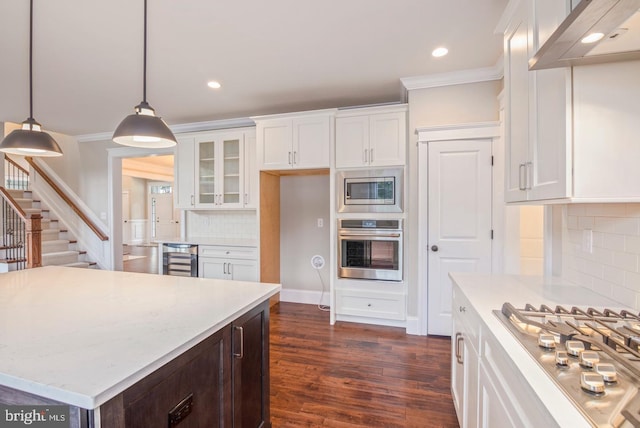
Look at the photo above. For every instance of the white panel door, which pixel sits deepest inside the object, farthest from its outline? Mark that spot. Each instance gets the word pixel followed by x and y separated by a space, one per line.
pixel 459 221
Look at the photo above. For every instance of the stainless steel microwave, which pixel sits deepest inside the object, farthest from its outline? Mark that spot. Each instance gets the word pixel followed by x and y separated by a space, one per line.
pixel 370 191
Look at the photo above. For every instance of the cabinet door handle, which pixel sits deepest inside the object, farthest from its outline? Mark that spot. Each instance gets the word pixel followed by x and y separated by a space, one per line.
pixel 529 177
pixel 370 155
pixel 246 199
pixel 224 268
pixel 459 339
pixel 193 200
pixel 294 157
pixel 289 158
pixel 241 353
pixel 522 178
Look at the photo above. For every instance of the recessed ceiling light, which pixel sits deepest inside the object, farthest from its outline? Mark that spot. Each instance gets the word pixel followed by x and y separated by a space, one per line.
pixel 592 38
pixel 213 84
pixel 438 52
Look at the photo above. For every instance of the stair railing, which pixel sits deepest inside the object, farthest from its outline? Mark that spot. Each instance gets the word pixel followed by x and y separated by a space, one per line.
pixel 21 234
pixel 15 176
pixel 69 208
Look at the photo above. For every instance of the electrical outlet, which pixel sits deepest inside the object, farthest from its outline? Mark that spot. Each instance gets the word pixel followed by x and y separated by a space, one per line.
pixel 587 241
pixel 320 222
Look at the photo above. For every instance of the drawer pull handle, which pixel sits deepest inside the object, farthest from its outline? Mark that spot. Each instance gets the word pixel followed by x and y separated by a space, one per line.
pixel 241 354
pixel 181 411
pixel 459 339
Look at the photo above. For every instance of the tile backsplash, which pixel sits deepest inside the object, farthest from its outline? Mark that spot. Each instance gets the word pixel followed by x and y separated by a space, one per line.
pixel 222 224
pixel 601 249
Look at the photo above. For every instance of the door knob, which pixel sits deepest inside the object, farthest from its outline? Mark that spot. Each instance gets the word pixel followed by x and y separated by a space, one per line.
pixel 434 248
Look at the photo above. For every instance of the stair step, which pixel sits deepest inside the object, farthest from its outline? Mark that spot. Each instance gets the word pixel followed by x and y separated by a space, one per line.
pixel 84 265
pixel 16 193
pixel 59 258
pixel 24 202
pixel 49 223
pixel 54 246
pixel 50 234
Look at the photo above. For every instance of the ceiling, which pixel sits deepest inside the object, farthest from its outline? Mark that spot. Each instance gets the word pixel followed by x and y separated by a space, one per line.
pixel 270 56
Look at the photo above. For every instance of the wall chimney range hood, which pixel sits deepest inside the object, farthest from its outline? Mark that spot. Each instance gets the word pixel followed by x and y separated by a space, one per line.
pixel 617 20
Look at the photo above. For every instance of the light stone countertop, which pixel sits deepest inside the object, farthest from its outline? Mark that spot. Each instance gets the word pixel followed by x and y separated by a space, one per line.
pixel 231 242
pixel 488 292
pixel 82 336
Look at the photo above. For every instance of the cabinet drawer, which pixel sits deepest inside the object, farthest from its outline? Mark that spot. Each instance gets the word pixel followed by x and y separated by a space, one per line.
pixel 246 253
pixel 467 316
pixel 370 304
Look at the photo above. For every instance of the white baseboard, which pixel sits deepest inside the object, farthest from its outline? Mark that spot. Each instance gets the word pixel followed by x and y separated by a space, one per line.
pixel 303 296
pixel 413 326
pixel 374 321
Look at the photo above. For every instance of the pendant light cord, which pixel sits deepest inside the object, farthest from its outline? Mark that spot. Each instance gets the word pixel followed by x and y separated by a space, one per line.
pixel 31 61
pixel 144 56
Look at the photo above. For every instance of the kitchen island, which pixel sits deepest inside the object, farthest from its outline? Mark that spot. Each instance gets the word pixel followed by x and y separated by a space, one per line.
pixel 124 348
pixel 493 377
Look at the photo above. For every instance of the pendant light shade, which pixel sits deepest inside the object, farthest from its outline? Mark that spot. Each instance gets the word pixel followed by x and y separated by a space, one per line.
pixel 144 128
pixel 30 140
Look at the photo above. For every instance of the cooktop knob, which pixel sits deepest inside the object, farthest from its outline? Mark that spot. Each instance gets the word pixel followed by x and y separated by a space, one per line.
pixel 592 382
pixel 562 359
pixel 589 359
pixel 546 340
pixel 607 371
pixel 574 347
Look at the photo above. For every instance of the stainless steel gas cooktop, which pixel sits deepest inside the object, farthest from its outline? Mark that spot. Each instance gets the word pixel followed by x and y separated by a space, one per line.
pixel 592 355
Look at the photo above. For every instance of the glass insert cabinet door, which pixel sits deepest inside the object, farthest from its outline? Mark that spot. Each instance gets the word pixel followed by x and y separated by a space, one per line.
pixel 231 171
pixel 207 172
pixel 219 170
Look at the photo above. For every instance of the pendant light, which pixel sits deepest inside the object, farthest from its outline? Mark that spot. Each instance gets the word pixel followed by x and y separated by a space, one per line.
pixel 30 140
pixel 144 128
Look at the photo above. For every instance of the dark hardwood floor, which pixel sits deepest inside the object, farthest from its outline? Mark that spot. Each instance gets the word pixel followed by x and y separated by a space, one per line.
pixel 355 375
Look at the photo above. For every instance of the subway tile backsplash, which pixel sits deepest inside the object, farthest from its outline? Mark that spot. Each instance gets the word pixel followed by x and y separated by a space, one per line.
pixel 222 224
pixel 611 266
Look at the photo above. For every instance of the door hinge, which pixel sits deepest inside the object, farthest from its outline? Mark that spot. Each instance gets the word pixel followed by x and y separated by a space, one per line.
pixel 491 233
pixel 491 160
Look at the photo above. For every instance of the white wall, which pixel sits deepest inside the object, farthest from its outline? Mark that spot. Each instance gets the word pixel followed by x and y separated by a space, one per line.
pixel 466 103
pixel 613 267
pixel 303 200
pixel 137 188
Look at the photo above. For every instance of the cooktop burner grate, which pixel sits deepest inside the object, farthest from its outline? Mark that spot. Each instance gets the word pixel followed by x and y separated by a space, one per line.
pixel 592 355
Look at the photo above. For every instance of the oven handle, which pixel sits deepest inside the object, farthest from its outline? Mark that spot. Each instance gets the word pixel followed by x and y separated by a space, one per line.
pixel 369 234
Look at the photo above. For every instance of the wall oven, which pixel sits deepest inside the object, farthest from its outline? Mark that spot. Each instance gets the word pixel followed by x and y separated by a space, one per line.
pixel 370 249
pixel 370 191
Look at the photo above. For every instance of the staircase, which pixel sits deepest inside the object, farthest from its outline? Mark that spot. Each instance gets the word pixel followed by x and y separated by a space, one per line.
pixel 58 247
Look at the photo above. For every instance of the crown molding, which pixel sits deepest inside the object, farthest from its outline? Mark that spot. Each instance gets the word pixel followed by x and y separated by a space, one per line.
pixel 180 128
pixel 458 131
pixel 460 77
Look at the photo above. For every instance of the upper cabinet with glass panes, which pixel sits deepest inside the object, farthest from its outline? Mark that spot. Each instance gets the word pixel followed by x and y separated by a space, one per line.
pixel 212 170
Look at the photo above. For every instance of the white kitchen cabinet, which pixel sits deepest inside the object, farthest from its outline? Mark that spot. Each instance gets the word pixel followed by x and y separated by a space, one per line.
pixel 569 132
pixel 295 141
pixel 464 361
pixel 538 107
pixel 214 170
pixel 371 137
pixel 226 262
pixel 370 304
pixel 487 390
